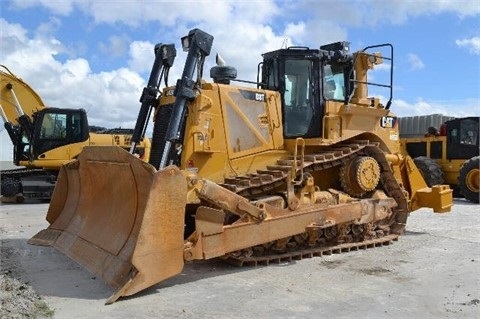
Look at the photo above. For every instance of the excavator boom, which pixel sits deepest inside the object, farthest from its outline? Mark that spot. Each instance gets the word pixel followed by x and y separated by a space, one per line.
pixel 45 138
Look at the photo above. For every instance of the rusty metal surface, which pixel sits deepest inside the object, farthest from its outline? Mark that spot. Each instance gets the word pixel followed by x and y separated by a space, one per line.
pixel 380 218
pixel 98 211
pixel 110 213
pixel 300 254
pixel 125 222
pixel 158 253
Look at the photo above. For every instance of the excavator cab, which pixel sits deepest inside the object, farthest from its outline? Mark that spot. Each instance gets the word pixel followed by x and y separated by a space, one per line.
pixel 33 128
pixel 54 127
pixel 45 138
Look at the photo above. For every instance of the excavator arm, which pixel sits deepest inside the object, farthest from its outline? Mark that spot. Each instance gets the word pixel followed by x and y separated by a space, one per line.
pixel 16 114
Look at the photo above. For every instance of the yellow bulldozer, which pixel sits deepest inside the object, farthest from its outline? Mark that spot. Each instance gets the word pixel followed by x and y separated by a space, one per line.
pixel 297 164
pixel 44 138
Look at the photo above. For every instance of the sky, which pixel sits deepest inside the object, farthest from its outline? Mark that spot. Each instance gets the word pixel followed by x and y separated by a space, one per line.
pixel 97 54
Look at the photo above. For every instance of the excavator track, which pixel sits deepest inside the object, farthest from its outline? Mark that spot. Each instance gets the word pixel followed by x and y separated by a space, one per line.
pixel 22 172
pixel 344 239
pixel 27 183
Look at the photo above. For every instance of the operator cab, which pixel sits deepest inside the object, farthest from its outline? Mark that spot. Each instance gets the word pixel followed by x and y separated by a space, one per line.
pixel 52 128
pixel 462 137
pixel 306 78
pixel 309 78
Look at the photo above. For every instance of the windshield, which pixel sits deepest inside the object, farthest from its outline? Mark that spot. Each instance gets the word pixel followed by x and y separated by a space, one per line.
pixel 469 132
pixel 54 126
pixel 298 102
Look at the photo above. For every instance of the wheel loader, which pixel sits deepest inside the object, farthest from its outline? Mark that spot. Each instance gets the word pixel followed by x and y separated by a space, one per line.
pixel 44 138
pixel 448 154
pixel 297 164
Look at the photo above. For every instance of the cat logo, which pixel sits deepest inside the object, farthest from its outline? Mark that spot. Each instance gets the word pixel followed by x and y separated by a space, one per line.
pixel 260 97
pixel 388 121
pixel 252 95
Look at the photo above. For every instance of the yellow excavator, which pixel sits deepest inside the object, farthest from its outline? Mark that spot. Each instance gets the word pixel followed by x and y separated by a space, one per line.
pixel 297 164
pixel 45 138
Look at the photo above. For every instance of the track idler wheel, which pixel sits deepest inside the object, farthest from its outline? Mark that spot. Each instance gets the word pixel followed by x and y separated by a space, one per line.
pixel 360 175
pixel 11 187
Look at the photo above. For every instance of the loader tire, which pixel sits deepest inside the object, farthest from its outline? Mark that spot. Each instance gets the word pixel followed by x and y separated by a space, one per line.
pixel 468 179
pixel 430 170
pixel 11 187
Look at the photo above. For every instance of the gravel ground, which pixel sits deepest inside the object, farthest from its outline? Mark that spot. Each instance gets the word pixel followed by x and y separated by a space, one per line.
pixel 19 300
pixel 431 272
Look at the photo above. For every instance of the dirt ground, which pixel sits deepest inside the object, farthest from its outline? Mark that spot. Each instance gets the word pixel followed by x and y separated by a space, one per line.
pixel 433 271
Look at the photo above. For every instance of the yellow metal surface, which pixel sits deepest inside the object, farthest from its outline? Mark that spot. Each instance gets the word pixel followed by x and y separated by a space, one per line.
pixel 158 253
pixel 125 222
pixel 30 101
pixel 439 198
pixel 17 96
pixel 56 157
pixel 449 167
pixel 280 223
pixel 368 173
pixel 472 180
pixel 360 175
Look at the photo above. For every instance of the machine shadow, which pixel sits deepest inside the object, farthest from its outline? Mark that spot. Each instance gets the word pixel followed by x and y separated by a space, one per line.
pixel 50 273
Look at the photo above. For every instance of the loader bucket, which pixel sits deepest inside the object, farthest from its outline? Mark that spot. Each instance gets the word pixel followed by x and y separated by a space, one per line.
pixel 119 217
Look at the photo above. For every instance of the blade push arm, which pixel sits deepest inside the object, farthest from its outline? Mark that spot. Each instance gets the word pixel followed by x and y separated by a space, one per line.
pixel 198 44
pixel 164 58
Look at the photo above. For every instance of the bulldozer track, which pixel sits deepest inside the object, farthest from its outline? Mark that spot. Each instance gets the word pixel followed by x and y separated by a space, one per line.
pixel 276 175
pixel 310 253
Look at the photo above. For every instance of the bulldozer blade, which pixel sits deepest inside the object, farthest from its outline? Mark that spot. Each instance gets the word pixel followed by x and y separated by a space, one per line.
pixel 119 217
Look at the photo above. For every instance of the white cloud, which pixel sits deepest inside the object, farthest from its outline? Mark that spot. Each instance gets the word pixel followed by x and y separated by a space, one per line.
pixel 169 13
pixel 295 30
pixel 115 46
pixel 243 30
pixel 378 12
pixel 469 107
pixel 472 44
pixel 110 97
pixel 415 62
pixel 48 28
pixel 63 7
pixel 141 56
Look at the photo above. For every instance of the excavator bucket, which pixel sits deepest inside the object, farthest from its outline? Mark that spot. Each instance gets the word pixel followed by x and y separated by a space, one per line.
pixel 119 217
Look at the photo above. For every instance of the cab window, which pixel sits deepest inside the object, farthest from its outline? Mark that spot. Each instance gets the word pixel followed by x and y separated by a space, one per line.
pixel 54 126
pixel 298 102
pixel 333 82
